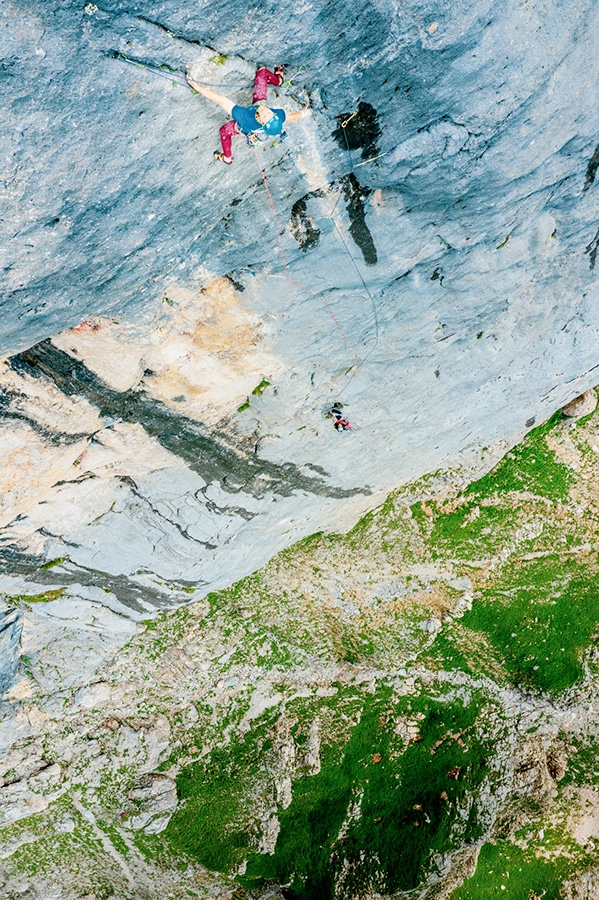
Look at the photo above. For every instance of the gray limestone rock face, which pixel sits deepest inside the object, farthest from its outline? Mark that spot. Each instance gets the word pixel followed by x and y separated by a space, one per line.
pixel 11 626
pixel 155 800
pixel 584 888
pixel 422 248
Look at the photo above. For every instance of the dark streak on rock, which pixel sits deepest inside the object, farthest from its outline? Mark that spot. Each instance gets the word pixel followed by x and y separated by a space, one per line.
pixel 318 469
pixel 184 532
pixel 307 234
pixel 130 594
pixel 301 225
pixel 592 170
pixel 207 453
pixel 172 34
pixel 236 284
pixel 592 249
pixel 355 195
pixel 362 130
pixel 403 275
pixel 57 440
pixel 228 510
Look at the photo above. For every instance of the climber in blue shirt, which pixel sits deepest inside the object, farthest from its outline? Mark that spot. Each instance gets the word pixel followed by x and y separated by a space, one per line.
pixel 257 122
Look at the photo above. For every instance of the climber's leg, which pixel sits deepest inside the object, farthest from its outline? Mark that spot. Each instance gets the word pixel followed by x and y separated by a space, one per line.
pixel 263 78
pixel 226 132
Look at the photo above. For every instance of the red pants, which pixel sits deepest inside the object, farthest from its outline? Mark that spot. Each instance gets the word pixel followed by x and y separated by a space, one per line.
pixel 263 78
pixel 226 132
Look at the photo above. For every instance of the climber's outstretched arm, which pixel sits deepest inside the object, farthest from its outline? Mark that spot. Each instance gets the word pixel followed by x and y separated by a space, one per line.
pixel 294 117
pixel 223 101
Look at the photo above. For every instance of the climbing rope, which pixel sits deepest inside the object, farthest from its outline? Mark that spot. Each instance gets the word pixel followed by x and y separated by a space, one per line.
pixel 343 127
pixel 374 158
pixel 274 212
pixel 366 288
pixel 355 365
pixel 165 71
pixel 172 75
pixel 288 81
pixel 297 283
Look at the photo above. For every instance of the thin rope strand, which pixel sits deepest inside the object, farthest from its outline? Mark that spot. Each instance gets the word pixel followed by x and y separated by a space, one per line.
pixel 274 212
pixel 297 283
pixel 351 165
pixel 366 288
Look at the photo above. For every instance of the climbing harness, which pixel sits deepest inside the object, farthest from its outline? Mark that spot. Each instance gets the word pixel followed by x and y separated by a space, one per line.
pixel 259 137
pixel 342 425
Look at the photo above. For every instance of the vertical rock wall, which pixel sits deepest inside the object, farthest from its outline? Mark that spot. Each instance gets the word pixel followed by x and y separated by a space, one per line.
pixel 435 272
pixel 10 634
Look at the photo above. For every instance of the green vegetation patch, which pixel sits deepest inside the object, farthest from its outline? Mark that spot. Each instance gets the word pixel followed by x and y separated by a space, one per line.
pixel 486 517
pixel 583 762
pixel 46 597
pixel 529 870
pixel 530 466
pixel 540 617
pixel 260 388
pixel 58 561
pixel 375 814
pixel 214 822
pixel 459 649
pixel 472 531
pixel 42 843
pixel 164 631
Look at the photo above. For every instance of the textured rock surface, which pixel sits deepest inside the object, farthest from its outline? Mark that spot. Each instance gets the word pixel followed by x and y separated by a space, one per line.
pixel 162 433
pixel 585 888
pixel 459 266
pixel 303 729
pixel 11 625
pixel 581 406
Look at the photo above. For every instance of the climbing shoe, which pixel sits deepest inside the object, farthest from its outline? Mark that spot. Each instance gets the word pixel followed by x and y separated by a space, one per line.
pixel 222 158
pixel 281 73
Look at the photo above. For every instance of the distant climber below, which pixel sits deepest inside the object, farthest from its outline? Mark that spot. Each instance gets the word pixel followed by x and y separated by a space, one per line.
pixel 336 413
pixel 257 122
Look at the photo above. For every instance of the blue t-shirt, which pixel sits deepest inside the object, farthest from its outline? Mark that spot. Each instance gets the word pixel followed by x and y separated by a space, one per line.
pixel 245 116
